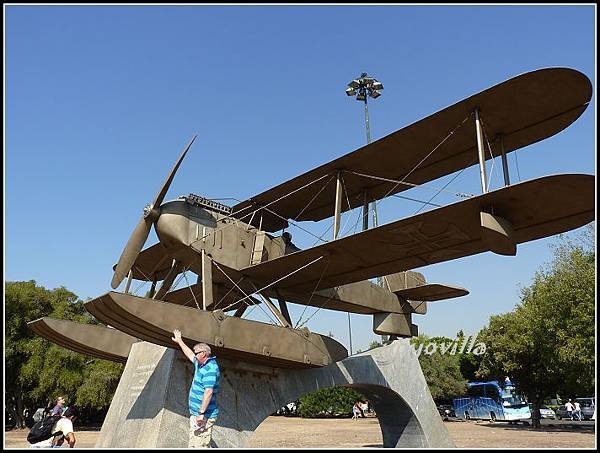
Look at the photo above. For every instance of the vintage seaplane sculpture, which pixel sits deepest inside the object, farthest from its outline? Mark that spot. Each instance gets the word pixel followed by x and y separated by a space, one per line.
pixel 241 259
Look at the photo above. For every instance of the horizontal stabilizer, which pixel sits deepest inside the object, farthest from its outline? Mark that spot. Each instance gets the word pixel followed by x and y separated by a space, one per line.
pixel 431 292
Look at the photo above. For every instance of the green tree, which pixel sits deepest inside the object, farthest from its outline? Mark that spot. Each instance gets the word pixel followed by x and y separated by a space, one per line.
pixel 374 344
pixel 328 402
pixel 441 370
pixel 37 371
pixel 546 345
pixel 24 302
pixel 469 362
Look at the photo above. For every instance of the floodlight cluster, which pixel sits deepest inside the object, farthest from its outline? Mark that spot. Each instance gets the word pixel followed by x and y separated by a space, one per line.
pixel 363 87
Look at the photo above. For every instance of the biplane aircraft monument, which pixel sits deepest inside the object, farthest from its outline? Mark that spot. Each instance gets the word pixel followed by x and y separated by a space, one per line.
pixel 243 256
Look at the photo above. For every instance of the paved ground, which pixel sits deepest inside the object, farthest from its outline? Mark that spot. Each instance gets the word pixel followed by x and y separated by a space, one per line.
pixel 293 432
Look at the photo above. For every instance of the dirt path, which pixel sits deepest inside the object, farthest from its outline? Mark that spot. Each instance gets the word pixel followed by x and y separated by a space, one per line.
pixel 292 432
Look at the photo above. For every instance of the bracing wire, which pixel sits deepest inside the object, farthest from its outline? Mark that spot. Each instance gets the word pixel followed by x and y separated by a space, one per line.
pixel 230 289
pixel 278 199
pixel 349 216
pixel 191 290
pixel 312 294
pixel 437 193
pixel 313 198
pixel 428 155
pixel 398 182
pixel 242 291
pixel 142 283
pixel 418 201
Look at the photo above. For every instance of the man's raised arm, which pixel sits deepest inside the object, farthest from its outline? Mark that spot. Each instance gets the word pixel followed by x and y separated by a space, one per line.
pixel 177 339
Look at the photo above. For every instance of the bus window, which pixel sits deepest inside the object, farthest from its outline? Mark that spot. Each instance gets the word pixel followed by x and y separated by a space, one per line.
pixel 476 391
pixel 493 393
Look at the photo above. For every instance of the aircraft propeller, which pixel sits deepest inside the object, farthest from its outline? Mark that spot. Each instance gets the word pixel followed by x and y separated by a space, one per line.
pixel 142 230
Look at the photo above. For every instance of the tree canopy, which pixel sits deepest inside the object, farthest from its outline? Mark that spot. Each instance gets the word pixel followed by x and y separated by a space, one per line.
pixel 328 402
pixel 546 345
pixel 38 371
pixel 441 369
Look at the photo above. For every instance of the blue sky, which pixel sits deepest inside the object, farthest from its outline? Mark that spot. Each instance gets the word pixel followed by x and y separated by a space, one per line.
pixel 100 101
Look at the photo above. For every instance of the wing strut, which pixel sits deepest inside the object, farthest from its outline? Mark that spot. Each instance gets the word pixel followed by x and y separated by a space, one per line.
pixel 207 281
pixel 283 307
pixel 504 161
pixel 176 268
pixel 338 205
pixel 282 319
pixel 481 152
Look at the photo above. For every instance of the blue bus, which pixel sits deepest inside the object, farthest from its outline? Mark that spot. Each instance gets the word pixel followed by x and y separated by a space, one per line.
pixel 489 401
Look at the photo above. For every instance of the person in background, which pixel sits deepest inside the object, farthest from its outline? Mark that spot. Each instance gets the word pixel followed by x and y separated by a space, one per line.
pixel 364 407
pixel 65 427
pixel 577 411
pixel 569 407
pixel 58 406
pixel 39 414
pixel 355 410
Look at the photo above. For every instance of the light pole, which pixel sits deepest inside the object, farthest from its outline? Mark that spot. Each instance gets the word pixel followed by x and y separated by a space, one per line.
pixel 363 88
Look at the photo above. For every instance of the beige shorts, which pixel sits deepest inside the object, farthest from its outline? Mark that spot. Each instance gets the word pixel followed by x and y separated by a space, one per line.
pixel 200 438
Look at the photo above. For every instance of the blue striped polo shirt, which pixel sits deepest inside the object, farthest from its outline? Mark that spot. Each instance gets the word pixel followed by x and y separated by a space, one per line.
pixel 205 376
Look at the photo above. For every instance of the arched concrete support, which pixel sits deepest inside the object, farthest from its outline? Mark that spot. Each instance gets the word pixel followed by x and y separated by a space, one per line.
pixel 151 411
pixel 389 376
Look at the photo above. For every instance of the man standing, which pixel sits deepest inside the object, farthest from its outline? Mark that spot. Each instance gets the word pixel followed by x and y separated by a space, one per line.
pixel 577 411
pixel 355 410
pixel 569 407
pixel 202 399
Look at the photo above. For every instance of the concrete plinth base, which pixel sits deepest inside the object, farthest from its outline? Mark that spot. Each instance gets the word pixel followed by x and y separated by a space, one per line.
pixel 149 409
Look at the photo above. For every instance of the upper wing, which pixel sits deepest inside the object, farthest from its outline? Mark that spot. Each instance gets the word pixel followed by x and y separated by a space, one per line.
pixel 524 110
pixel 535 209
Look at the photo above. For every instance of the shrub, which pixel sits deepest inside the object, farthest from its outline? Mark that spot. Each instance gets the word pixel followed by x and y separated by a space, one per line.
pixel 328 402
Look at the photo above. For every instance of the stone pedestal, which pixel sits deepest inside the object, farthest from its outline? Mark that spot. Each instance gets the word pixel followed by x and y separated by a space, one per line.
pixel 149 409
